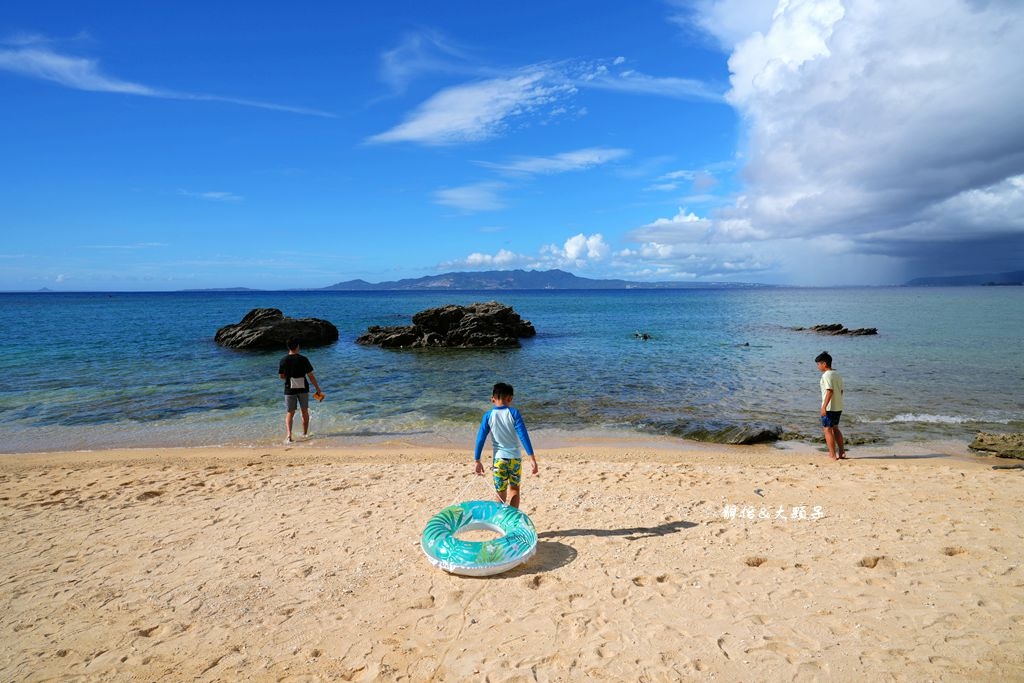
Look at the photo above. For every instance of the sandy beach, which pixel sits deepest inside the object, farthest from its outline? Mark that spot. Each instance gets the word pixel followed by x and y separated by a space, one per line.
pixel 658 561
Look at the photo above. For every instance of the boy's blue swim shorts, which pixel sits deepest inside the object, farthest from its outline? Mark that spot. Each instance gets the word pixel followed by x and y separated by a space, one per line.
pixel 831 418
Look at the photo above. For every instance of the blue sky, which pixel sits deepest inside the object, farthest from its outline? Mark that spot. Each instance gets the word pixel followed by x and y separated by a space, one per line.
pixel 161 146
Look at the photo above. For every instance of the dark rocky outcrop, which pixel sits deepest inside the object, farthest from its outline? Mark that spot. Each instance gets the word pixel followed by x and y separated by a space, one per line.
pixel 1010 445
pixel 478 325
pixel 268 329
pixel 837 329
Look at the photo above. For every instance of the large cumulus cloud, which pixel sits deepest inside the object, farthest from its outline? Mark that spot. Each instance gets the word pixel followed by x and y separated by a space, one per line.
pixel 893 127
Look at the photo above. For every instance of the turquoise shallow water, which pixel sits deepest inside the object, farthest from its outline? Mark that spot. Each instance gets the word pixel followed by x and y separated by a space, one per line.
pixel 105 370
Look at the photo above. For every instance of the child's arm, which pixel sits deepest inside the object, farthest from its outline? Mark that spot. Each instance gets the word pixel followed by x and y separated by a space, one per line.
pixel 481 439
pixel 524 436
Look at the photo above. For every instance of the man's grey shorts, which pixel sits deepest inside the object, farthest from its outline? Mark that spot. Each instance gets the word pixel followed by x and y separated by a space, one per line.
pixel 291 401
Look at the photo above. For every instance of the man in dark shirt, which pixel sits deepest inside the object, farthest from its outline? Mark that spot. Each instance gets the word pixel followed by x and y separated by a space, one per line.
pixel 293 369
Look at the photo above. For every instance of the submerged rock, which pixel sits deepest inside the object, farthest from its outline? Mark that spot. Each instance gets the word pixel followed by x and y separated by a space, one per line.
pixel 269 329
pixel 743 435
pixel 478 325
pixel 718 432
pixel 837 329
pixel 1010 445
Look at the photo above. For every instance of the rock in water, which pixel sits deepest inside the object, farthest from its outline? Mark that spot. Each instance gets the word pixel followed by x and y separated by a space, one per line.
pixel 479 325
pixel 268 329
pixel 1009 445
pixel 838 329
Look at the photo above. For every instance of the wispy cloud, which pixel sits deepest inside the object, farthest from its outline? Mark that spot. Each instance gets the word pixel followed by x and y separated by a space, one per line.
pixel 483 108
pixel 637 83
pixel 127 247
pixel 577 160
pixel 484 196
pixel 212 196
pixel 478 111
pixel 30 56
pixel 424 52
pixel 700 181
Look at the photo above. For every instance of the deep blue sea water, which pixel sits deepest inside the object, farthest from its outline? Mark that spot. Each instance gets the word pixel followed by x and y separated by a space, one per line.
pixel 103 370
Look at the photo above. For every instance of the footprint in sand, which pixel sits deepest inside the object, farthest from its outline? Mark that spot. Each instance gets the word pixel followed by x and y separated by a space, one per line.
pixel 871 561
pixel 148 495
pixel 755 561
pixel 953 550
pixel 426 602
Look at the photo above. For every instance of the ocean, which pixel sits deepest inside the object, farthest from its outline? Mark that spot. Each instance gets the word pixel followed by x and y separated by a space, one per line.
pixel 102 370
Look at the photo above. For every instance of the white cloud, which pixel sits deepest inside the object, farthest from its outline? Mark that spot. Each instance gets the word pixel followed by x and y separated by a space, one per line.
pixel 30 58
pixel 484 196
pixel 582 248
pixel 880 124
pixel 728 21
pixel 503 259
pixel 478 111
pixel 619 60
pixel 578 251
pixel 577 160
pixel 685 226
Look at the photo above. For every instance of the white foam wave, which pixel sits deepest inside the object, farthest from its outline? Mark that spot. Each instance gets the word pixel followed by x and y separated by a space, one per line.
pixel 924 418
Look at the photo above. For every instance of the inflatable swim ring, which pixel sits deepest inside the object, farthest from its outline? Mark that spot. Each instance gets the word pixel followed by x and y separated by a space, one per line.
pixel 517 544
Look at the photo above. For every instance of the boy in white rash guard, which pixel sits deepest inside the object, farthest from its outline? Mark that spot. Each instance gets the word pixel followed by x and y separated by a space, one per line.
pixel 831 406
pixel 506 427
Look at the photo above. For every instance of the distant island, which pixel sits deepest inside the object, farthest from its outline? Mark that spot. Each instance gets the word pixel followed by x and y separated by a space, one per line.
pixel 488 280
pixel 992 279
pixel 518 279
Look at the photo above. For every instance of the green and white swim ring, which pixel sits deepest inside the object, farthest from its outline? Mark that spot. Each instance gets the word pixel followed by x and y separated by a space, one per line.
pixel 517 544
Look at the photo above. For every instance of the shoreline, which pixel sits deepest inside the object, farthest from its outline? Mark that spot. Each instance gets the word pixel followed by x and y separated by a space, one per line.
pixel 270 562
pixel 460 442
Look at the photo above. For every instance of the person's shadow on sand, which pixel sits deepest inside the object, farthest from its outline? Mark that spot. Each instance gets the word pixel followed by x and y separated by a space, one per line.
pixel 630 533
pixel 552 555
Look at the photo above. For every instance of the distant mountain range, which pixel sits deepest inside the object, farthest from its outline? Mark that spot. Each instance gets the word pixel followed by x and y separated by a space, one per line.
pixel 1013 278
pixel 517 279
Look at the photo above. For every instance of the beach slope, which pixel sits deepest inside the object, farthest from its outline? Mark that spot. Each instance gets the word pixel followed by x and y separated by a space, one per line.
pixel 653 564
